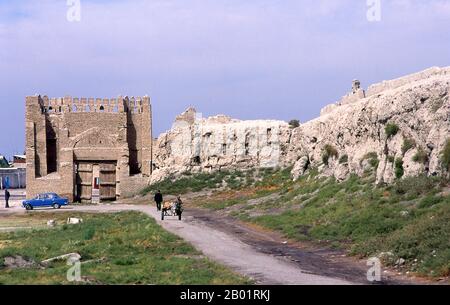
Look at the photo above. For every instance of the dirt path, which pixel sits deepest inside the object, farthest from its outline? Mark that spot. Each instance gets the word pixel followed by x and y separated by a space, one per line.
pixel 263 256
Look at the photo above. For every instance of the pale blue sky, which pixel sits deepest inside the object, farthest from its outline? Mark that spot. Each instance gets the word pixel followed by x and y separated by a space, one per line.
pixel 251 59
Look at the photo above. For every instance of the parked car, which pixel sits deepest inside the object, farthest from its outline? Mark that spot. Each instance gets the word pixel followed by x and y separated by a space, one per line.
pixel 45 200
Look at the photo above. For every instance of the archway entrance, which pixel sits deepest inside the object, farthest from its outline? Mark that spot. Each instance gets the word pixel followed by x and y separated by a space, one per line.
pixel 95 181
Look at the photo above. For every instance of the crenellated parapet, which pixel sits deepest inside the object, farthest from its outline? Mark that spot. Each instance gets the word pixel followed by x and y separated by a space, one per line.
pixel 133 105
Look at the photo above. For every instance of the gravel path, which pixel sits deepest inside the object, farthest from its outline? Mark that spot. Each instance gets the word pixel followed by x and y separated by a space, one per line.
pixel 220 246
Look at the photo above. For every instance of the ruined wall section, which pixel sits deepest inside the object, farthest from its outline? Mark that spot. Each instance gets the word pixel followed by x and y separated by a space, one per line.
pixel 357 94
pixel 417 104
pixel 196 144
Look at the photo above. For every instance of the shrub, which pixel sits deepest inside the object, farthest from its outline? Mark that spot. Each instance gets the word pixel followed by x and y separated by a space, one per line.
pixel 372 157
pixel 391 130
pixel 294 123
pixel 399 170
pixel 343 159
pixel 421 156
pixel 3 163
pixel 446 156
pixel 430 201
pixel 416 185
pixel 374 162
pixel 407 145
pixel 329 152
pixel 391 159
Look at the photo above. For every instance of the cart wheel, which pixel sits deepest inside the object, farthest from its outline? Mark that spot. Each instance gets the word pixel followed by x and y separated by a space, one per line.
pixel 162 215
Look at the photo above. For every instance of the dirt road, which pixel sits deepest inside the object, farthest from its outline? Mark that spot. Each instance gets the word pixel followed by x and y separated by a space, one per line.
pixel 260 255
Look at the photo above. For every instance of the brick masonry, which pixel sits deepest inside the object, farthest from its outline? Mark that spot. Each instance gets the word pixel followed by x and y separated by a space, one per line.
pixel 65 135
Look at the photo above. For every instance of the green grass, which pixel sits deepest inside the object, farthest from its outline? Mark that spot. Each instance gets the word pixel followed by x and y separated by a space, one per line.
pixel 368 220
pixel 134 249
pixel 407 145
pixel 420 156
pixel 445 159
pixel 270 180
pixel 399 170
pixel 372 158
pixel 408 218
pixel 391 130
pixel 188 182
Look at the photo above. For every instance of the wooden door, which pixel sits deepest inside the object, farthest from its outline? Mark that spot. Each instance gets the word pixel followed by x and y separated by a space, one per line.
pixel 84 182
pixel 107 181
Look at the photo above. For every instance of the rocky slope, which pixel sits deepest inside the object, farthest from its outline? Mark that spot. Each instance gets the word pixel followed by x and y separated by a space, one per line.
pixel 417 109
pixel 398 128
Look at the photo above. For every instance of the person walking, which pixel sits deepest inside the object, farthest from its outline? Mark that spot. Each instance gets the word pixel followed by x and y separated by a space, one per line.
pixel 7 196
pixel 158 200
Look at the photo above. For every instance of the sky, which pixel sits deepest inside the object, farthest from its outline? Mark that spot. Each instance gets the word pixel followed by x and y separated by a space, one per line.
pixel 250 59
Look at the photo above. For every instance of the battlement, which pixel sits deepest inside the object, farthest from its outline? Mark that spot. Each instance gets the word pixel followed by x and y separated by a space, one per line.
pixel 134 105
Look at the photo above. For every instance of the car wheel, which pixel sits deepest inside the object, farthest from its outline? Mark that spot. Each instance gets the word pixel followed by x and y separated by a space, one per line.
pixel 28 207
pixel 56 206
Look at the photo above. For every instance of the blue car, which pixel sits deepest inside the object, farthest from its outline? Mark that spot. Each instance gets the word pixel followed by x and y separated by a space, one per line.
pixel 45 200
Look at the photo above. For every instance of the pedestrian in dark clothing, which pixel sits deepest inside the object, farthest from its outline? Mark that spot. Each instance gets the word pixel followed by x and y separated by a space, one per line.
pixel 7 195
pixel 158 200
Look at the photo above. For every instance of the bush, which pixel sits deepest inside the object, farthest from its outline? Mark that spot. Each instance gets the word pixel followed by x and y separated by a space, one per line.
pixel 416 185
pixel 329 152
pixel 429 201
pixel 399 170
pixel 446 156
pixel 3 163
pixel 421 156
pixel 374 162
pixel 391 159
pixel 407 145
pixel 373 159
pixel 343 159
pixel 391 130
pixel 294 123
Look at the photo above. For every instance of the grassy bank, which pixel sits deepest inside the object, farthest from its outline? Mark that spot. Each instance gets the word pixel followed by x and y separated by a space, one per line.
pixel 123 248
pixel 409 220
